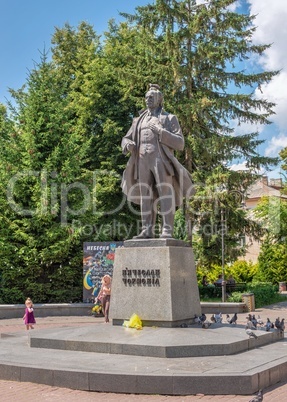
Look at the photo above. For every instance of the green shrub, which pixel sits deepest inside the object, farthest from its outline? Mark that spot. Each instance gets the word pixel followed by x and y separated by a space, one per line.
pixel 243 271
pixel 273 262
pixel 12 296
pixel 66 296
pixel 264 293
pixel 41 293
pixel 209 292
pixel 235 297
pixel 211 273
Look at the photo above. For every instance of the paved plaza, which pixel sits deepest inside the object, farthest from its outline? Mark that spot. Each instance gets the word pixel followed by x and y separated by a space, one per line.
pixel 25 391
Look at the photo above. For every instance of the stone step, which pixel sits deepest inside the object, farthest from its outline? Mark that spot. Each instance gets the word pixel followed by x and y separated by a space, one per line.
pixel 242 373
pixel 218 340
pixel 84 309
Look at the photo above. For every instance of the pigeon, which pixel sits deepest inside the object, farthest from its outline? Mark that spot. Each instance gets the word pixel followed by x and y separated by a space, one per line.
pixel 233 319
pixel 260 321
pixel 206 324
pixel 251 334
pixel 196 319
pixel 202 318
pixel 218 318
pixel 254 321
pixel 269 325
pixel 227 318
pixel 183 325
pixel 212 318
pixel 258 397
pixel 249 325
pixel 280 324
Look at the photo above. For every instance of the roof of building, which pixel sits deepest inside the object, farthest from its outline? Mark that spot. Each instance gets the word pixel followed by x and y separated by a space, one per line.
pixel 261 189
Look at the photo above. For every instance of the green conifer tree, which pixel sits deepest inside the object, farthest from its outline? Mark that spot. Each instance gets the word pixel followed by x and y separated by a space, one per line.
pixel 197 54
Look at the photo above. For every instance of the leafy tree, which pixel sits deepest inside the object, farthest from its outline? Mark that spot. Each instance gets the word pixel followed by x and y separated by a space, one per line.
pixel 271 212
pixel 273 262
pixel 283 156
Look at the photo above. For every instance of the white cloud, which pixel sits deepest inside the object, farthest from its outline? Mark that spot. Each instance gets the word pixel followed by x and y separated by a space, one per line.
pixel 271 26
pixel 231 7
pixel 234 6
pixel 245 128
pixel 239 166
pixel 275 145
pixel 276 92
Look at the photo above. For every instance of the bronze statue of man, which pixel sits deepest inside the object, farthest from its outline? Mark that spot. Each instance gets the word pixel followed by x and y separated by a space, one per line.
pixel 153 175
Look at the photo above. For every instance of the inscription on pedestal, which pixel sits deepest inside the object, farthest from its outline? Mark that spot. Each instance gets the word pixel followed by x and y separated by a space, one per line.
pixel 141 277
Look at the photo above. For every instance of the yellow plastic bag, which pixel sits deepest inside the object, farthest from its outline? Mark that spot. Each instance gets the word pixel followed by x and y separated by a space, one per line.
pixel 96 308
pixel 134 322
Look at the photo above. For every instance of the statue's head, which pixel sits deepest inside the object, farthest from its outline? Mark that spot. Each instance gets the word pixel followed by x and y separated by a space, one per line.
pixel 154 97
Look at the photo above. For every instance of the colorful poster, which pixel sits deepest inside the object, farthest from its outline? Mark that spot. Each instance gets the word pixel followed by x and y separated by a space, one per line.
pixel 98 261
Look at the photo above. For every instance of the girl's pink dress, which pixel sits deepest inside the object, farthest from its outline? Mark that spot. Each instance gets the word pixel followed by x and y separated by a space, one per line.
pixel 29 316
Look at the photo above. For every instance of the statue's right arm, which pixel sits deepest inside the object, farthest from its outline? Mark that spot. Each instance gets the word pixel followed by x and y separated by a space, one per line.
pixel 127 143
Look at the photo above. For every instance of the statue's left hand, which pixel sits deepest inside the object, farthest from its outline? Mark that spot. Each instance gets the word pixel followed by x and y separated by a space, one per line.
pixel 156 128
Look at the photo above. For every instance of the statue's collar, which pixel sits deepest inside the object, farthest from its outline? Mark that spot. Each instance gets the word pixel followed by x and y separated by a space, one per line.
pixel 148 112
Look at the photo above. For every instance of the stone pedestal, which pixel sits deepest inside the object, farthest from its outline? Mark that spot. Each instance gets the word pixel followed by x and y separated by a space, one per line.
pixel 156 279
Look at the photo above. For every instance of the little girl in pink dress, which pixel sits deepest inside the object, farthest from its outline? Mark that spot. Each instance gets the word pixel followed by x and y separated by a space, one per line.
pixel 29 318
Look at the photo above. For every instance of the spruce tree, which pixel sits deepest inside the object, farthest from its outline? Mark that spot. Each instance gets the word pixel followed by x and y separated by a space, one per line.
pixel 197 54
pixel 50 158
pixel 102 116
pixel 61 169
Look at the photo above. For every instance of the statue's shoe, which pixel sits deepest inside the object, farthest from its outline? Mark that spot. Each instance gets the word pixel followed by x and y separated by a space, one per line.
pixel 143 235
pixel 166 235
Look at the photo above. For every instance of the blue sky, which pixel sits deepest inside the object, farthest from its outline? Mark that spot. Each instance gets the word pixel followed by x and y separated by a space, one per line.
pixel 26 28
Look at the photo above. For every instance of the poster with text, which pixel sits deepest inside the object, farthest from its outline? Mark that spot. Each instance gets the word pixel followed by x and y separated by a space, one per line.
pixel 98 261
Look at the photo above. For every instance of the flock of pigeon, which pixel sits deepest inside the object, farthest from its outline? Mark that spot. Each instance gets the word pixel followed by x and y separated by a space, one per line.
pixel 252 323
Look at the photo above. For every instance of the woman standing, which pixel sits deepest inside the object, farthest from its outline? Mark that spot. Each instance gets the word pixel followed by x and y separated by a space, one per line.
pixel 105 295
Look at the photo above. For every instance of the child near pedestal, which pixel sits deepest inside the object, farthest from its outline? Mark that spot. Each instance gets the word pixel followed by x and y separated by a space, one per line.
pixel 105 295
pixel 29 319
